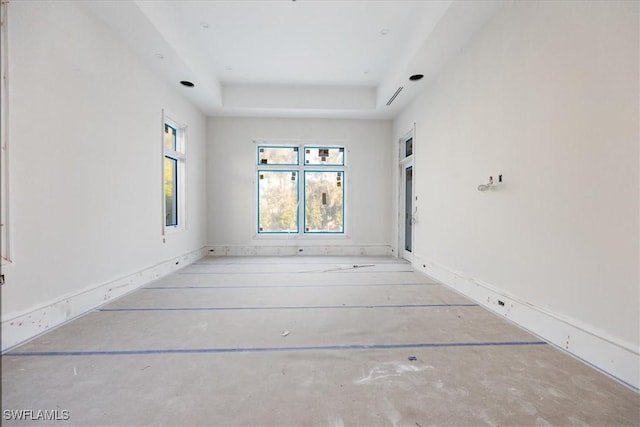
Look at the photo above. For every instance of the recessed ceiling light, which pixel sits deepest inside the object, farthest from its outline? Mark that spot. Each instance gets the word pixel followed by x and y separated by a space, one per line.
pixel 228 68
pixel 187 83
pixel 204 25
pixel 366 71
pixel 384 31
pixel 416 77
pixel 159 56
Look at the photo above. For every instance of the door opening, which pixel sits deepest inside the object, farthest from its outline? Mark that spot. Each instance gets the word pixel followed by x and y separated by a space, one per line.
pixel 408 208
pixel 406 205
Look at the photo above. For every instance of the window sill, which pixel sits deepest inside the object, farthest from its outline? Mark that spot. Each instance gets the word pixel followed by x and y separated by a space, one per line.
pixel 174 229
pixel 302 237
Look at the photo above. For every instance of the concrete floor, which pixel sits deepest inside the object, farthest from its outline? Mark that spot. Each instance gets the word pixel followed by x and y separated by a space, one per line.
pixel 304 341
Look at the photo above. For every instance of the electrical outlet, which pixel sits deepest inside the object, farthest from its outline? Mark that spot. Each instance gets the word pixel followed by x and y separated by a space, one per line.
pixel 1 279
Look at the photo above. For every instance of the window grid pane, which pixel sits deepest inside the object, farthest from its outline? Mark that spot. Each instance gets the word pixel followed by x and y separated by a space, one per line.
pixel 324 201
pixel 333 156
pixel 277 201
pixel 170 137
pixel 170 191
pixel 408 147
pixel 277 155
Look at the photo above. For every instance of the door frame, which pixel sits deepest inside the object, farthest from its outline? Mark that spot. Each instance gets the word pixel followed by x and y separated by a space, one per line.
pixel 404 163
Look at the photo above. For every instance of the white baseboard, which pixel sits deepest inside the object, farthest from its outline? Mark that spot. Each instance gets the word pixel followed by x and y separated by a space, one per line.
pixel 291 250
pixel 610 355
pixel 19 328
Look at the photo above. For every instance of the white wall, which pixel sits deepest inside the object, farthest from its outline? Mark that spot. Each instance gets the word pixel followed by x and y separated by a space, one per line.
pixel 232 187
pixel 547 95
pixel 86 179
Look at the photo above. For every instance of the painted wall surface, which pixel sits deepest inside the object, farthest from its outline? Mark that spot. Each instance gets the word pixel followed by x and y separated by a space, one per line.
pixel 547 95
pixel 232 178
pixel 86 177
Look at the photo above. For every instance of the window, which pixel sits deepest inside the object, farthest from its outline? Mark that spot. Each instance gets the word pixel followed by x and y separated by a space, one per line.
pixel 408 147
pixel 323 202
pixel 278 155
pixel 174 173
pixel 324 156
pixel 282 177
pixel 278 206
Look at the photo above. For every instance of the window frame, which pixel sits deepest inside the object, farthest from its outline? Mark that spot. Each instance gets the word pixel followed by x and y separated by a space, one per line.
pixel 297 172
pixel 304 201
pixel 300 168
pixel 179 155
pixel 329 147
pixel 173 212
pixel 297 151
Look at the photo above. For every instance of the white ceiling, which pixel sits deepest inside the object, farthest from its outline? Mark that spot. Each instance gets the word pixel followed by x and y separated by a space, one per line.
pixel 303 58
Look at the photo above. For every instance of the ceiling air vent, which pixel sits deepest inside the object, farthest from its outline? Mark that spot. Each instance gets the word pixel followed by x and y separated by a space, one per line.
pixel 394 95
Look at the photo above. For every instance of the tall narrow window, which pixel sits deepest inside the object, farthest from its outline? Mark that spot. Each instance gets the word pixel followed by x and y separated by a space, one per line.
pixel 174 173
pixel 323 202
pixel 278 191
pixel 277 201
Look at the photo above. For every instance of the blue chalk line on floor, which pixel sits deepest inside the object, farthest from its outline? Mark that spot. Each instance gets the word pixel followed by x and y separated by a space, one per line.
pixel 272 349
pixel 288 286
pixel 248 273
pixel 308 307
